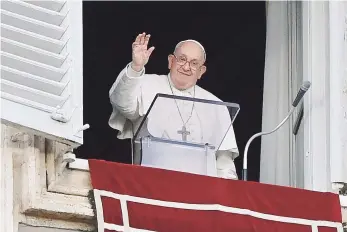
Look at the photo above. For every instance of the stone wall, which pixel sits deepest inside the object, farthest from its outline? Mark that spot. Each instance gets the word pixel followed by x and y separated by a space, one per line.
pixel 38 188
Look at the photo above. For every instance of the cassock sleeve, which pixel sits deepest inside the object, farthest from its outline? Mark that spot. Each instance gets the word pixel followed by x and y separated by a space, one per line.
pixel 229 143
pixel 227 152
pixel 225 165
pixel 225 156
pixel 124 97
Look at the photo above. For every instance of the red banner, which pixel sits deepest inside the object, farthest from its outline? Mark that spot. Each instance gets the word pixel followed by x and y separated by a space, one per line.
pixel 135 198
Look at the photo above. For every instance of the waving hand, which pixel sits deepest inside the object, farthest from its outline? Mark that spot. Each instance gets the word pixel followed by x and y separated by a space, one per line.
pixel 140 53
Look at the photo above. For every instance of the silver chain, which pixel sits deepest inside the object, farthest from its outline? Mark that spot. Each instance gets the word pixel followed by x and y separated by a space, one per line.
pixel 191 113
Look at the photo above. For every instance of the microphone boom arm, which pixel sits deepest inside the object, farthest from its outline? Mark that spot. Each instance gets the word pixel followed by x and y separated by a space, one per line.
pixel 244 171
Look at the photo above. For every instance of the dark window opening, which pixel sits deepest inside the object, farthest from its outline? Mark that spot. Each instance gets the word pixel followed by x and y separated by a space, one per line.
pixel 233 34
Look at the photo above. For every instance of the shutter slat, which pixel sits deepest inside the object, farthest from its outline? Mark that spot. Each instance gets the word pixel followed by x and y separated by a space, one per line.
pixel 32 39
pixel 32 67
pixel 32 94
pixel 32 25
pixel 32 11
pixel 26 102
pixel 53 5
pixel 32 81
pixel 32 53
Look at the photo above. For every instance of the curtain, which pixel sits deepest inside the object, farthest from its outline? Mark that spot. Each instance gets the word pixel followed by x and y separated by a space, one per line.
pixel 275 148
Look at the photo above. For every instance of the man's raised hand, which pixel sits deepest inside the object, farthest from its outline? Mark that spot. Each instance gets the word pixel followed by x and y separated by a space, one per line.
pixel 140 53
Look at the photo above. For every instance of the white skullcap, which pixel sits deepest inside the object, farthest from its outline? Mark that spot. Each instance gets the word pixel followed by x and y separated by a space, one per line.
pixel 194 41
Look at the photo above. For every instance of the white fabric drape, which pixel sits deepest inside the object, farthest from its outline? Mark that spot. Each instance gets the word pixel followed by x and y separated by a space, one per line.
pixel 275 148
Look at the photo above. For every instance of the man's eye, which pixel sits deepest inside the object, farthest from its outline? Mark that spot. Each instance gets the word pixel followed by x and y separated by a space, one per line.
pixel 182 59
pixel 195 64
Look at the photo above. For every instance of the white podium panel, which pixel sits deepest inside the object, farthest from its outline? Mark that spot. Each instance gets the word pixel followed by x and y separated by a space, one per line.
pixel 176 156
pixel 170 139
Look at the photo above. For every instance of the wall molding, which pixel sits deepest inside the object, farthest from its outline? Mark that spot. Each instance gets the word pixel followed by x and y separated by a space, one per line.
pixel 60 178
pixel 30 161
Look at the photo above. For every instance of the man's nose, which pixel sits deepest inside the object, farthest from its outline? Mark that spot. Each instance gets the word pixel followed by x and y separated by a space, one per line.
pixel 186 66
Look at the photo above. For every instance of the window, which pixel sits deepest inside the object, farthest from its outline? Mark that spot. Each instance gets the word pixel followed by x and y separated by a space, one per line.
pixel 41 68
pixel 229 58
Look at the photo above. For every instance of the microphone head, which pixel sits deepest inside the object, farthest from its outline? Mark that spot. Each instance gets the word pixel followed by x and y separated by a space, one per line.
pixel 306 85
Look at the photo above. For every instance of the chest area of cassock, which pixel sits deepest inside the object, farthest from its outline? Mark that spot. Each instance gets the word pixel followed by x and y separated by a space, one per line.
pixel 183 120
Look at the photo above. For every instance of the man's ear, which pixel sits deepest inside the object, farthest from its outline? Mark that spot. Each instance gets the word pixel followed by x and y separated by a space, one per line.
pixel 170 60
pixel 202 71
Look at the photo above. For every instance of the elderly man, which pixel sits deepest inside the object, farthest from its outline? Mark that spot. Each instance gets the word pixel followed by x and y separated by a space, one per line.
pixel 133 92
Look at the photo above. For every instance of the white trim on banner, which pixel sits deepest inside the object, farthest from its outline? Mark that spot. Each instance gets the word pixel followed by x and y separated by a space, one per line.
pixel 99 210
pixel 206 207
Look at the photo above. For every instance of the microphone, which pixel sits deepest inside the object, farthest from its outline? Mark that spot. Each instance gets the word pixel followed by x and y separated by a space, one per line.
pixel 306 85
pixel 301 92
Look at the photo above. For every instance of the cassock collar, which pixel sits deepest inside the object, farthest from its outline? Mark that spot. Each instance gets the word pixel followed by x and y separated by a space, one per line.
pixel 177 91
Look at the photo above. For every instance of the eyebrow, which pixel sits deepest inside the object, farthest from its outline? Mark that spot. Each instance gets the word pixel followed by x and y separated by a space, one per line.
pixel 195 59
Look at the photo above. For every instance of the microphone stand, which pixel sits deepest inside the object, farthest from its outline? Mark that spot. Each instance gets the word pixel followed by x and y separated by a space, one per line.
pixel 306 85
pixel 244 170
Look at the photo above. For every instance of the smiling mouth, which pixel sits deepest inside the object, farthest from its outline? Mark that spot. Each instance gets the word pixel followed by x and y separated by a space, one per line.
pixel 186 74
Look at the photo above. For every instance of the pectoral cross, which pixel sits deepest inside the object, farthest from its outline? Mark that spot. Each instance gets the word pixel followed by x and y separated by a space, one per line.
pixel 184 133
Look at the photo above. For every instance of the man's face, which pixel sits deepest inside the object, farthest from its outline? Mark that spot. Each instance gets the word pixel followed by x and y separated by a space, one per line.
pixel 186 65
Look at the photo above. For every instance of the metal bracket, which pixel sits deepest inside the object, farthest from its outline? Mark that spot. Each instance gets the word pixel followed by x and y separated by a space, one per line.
pixel 67 157
pixel 60 116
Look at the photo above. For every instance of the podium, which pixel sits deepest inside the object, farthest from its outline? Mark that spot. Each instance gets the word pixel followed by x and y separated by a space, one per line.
pixel 183 134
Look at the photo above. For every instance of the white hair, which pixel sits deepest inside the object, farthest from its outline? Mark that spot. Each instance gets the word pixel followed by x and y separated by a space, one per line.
pixel 194 41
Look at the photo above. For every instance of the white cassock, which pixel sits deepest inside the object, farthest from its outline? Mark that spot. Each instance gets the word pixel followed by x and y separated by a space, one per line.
pixel 132 94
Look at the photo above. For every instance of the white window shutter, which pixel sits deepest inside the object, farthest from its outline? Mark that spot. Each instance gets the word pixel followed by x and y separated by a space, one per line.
pixel 41 67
